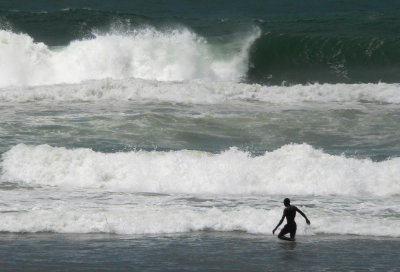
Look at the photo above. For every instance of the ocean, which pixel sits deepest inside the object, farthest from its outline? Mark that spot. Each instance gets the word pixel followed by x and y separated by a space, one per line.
pixel 164 135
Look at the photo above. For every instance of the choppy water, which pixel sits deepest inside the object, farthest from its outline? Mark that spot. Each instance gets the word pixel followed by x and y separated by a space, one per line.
pixel 183 117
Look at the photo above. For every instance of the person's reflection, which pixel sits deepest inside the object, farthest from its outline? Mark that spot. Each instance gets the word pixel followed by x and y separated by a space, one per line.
pixel 288 246
pixel 288 253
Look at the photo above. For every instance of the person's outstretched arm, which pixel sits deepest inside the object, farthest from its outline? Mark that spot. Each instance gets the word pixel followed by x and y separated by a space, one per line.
pixel 305 217
pixel 280 222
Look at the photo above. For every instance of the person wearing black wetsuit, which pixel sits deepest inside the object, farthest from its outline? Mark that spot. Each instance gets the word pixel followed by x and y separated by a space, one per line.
pixel 290 213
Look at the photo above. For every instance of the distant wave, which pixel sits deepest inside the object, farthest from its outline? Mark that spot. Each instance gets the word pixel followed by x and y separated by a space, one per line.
pixel 179 54
pixel 203 92
pixel 291 169
pixel 295 50
pixel 146 53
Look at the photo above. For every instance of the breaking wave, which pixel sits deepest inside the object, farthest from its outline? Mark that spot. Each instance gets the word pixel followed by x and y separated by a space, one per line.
pixel 291 169
pixel 171 55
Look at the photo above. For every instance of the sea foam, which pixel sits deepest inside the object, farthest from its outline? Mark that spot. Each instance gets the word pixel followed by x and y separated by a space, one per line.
pixel 292 169
pixel 201 92
pixel 64 217
pixel 170 55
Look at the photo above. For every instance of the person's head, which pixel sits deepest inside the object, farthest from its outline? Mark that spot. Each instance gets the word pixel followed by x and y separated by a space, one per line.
pixel 286 202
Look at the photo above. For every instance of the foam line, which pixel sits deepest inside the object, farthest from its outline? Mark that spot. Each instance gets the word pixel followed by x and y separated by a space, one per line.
pixel 178 219
pixel 291 169
pixel 203 92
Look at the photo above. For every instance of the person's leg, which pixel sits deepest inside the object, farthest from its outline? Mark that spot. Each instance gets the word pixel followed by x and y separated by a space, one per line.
pixel 284 231
pixel 293 235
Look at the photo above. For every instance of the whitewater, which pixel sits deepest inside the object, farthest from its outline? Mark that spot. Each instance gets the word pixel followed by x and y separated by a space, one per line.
pixel 142 192
pixel 292 169
pixel 147 53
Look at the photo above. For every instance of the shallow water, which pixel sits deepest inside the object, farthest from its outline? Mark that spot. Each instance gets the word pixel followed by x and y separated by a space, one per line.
pixel 204 251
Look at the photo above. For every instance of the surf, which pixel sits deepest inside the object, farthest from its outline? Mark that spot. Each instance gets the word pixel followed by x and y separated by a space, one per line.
pixel 175 54
pixel 292 169
pixel 202 92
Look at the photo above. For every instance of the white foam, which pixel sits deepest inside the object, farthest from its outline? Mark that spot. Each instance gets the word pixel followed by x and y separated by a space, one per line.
pixel 141 219
pixel 147 53
pixel 291 169
pixel 135 220
pixel 201 92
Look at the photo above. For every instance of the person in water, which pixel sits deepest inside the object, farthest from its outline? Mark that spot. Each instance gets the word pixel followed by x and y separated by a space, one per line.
pixel 290 213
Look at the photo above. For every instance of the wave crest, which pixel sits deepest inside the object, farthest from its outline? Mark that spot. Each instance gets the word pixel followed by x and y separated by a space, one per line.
pixel 146 53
